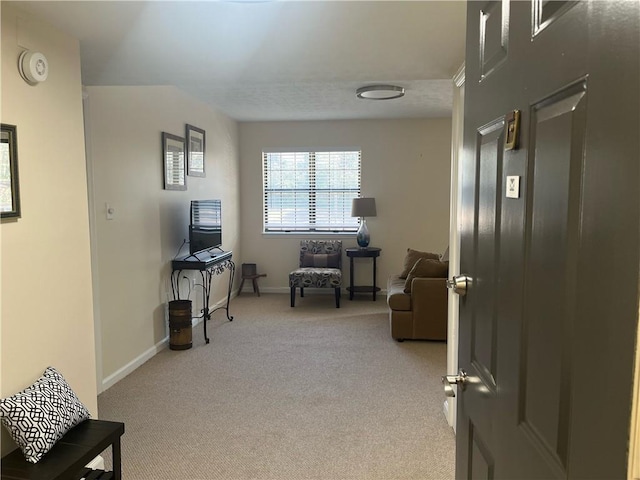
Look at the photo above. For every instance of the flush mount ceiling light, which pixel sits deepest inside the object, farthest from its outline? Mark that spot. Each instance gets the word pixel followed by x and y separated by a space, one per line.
pixel 380 92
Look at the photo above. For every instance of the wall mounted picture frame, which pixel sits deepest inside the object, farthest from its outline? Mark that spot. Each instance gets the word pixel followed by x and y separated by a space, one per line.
pixel 173 159
pixel 195 140
pixel 9 184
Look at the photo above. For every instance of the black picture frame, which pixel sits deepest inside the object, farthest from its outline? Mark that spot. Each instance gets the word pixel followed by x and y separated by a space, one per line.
pixel 195 144
pixel 173 160
pixel 9 182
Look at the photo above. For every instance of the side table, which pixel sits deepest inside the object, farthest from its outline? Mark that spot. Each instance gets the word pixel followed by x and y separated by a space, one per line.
pixel 369 252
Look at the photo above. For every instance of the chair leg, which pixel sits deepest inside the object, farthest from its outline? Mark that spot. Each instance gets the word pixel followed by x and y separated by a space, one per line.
pixel 337 297
pixel 293 296
pixel 301 292
pixel 255 286
pixel 241 285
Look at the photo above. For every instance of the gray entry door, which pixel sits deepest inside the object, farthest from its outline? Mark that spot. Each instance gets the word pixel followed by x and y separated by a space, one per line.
pixel 548 323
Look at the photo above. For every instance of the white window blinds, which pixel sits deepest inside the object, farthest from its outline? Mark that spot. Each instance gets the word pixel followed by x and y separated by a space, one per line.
pixel 310 191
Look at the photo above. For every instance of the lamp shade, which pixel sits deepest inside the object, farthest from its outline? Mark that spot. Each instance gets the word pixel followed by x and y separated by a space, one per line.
pixel 363 207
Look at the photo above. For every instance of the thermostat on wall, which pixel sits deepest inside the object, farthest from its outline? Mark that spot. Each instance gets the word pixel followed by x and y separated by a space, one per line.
pixel 33 67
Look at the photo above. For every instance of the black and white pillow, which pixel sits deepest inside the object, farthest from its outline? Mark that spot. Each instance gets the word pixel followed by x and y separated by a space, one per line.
pixel 41 414
pixel 321 260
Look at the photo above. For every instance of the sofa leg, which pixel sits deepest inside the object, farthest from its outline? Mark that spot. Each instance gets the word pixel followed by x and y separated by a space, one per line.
pixel 337 297
pixel 293 296
pixel 399 340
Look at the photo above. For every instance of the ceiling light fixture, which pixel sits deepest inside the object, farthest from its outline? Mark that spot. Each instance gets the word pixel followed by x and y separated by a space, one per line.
pixel 380 92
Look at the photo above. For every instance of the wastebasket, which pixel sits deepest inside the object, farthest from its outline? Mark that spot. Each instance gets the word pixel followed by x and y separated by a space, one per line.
pixel 180 331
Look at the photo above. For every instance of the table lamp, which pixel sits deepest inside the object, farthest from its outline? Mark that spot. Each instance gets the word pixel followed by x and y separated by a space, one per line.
pixel 363 207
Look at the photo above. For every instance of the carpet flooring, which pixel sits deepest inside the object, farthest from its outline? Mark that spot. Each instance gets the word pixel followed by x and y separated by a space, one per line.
pixel 311 392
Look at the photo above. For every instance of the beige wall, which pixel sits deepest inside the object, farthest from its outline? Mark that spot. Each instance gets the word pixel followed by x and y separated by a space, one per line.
pixel 405 166
pixel 133 251
pixel 46 303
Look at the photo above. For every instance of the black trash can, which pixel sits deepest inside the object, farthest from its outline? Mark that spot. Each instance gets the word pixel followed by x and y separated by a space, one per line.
pixel 180 330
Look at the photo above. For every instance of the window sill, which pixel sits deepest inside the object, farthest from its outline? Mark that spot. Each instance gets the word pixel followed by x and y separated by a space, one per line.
pixel 309 234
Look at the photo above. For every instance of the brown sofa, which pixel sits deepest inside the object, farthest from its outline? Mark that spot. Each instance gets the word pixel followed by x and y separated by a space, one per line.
pixel 418 306
pixel 421 314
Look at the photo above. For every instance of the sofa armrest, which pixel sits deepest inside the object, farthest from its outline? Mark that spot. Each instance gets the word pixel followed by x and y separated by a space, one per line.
pixel 430 307
pixel 423 288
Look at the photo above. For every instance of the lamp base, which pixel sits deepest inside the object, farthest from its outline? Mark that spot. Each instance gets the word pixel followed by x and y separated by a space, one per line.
pixel 362 237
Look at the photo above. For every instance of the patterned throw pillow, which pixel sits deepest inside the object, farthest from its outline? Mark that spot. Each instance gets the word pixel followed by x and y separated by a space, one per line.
pixel 321 260
pixel 41 414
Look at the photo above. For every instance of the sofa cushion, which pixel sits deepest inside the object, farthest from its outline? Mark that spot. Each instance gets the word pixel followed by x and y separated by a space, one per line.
pixel 396 298
pixel 426 268
pixel 412 257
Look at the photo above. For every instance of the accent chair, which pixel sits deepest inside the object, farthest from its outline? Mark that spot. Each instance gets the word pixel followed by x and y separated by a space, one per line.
pixel 320 266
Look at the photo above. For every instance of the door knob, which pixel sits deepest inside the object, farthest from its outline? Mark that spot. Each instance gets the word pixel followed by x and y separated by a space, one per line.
pixel 450 380
pixel 459 284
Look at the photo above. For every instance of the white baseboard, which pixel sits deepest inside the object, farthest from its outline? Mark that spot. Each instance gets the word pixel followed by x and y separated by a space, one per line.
pixel 96 464
pixel 218 304
pixel 449 413
pixel 325 291
pixel 287 290
pixel 114 378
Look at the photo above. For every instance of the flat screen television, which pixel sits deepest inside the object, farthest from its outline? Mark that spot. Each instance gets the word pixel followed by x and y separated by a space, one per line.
pixel 205 228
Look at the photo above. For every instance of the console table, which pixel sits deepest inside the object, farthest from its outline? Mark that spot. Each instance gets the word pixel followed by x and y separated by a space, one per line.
pixel 369 252
pixel 208 263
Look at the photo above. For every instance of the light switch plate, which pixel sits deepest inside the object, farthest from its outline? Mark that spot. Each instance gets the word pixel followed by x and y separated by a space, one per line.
pixel 513 186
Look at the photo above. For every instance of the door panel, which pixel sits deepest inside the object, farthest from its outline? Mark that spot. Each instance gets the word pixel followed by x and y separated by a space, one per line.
pixel 548 325
pixel 489 181
pixel 479 360
pixel 481 467
pixel 494 35
pixel 552 242
pixel 546 12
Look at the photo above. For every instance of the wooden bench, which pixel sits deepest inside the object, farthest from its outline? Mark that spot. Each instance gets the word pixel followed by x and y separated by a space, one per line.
pixel 68 457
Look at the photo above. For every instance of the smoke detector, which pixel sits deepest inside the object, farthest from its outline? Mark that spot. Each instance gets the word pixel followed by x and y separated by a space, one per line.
pixel 33 67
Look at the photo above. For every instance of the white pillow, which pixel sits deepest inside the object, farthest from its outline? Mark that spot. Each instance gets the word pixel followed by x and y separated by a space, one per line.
pixel 41 414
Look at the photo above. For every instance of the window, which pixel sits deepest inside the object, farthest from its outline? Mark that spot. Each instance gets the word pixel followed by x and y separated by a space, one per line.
pixel 310 191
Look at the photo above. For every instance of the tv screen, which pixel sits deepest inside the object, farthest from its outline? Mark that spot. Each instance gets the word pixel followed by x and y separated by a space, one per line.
pixel 205 230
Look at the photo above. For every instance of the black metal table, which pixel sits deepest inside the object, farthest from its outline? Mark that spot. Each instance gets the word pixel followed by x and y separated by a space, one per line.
pixel 208 264
pixel 368 252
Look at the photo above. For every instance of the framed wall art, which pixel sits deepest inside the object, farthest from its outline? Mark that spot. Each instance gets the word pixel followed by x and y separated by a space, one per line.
pixel 173 159
pixel 195 151
pixel 9 185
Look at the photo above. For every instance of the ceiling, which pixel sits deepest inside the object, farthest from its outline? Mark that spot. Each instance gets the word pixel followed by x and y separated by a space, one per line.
pixel 273 60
